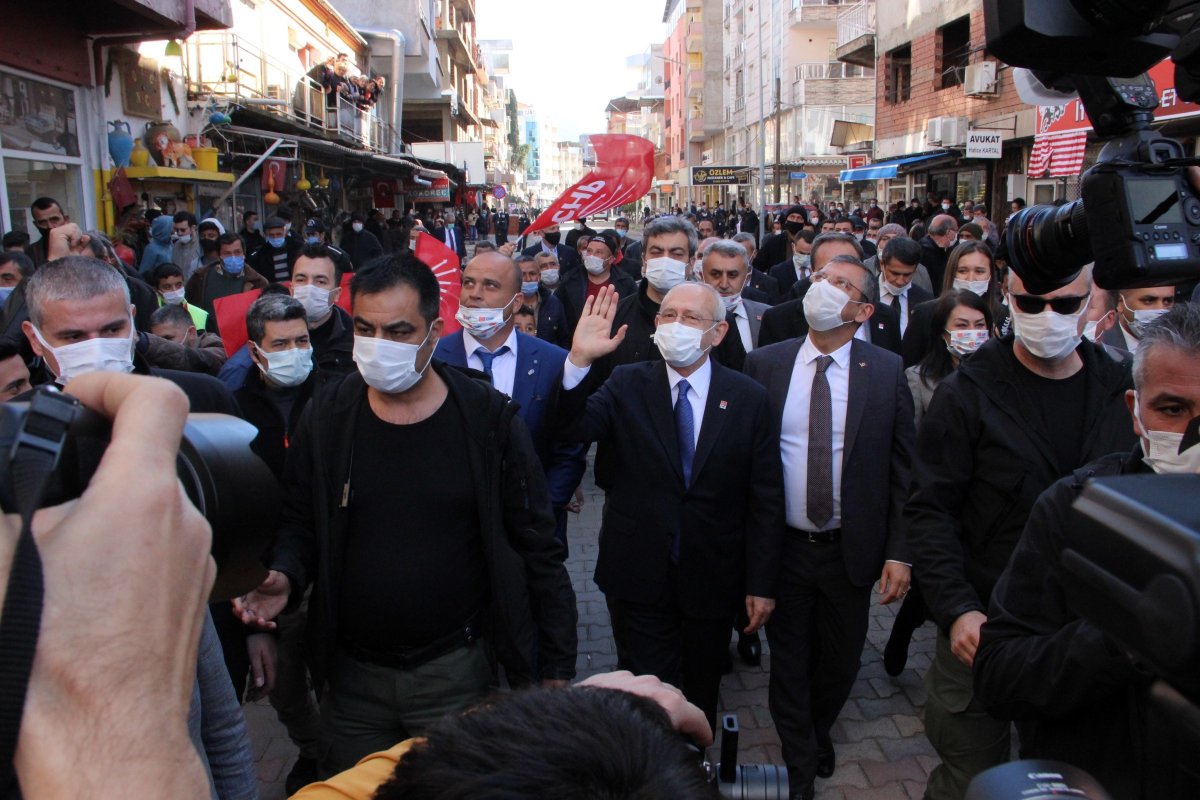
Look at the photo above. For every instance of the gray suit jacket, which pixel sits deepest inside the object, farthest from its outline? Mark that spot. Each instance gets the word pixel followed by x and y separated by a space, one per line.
pixel 921 278
pixel 755 311
pixel 877 456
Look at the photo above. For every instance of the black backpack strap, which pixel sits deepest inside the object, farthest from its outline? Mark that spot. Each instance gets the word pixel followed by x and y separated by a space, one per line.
pixel 33 459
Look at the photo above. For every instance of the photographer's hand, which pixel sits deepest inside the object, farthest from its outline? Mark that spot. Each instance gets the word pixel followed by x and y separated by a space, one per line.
pixel 263 604
pixel 127 572
pixel 685 717
pixel 964 636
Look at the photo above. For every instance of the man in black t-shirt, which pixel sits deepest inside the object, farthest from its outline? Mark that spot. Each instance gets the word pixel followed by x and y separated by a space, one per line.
pixel 1015 417
pixel 417 510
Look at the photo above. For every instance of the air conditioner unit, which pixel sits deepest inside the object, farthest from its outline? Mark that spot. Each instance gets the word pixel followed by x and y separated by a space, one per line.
pixel 947 131
pixel 980 79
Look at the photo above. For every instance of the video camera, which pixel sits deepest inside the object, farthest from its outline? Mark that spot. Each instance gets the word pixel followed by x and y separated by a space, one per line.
pixel 230 485
pixel 1139 216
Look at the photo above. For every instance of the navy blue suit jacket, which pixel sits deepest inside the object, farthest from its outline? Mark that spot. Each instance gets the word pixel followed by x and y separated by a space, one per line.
pixel 535 386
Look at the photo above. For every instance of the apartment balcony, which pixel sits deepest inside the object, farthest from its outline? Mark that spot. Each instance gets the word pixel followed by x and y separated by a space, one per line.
pixel 856 35
pixel 695 84
pixel 229 69
pixel 465 8
pixel 694 40
pixel 823 83
pixel 460 49
pixel 814 13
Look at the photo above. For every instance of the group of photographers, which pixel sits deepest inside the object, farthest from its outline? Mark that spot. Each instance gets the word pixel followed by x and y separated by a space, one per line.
pixel 417 548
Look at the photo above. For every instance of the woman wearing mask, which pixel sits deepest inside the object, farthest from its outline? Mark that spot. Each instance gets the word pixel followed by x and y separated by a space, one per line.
pixel 961 321
pixel 971 266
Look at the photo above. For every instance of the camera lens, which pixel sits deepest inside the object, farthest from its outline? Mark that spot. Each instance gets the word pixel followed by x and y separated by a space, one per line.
pixel 1047 245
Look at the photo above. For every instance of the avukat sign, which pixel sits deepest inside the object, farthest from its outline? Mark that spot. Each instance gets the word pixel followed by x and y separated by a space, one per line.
pixel 623 173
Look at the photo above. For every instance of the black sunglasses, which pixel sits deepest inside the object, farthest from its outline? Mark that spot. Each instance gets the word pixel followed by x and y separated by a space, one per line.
pixel 1066 306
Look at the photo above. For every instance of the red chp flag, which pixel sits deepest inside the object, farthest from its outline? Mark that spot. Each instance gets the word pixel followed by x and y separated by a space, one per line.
pixel 444 263
pixel 624 170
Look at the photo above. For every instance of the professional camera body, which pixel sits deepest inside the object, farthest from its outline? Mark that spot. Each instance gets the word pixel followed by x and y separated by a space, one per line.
pixel 230 485
pixel 746 781
pixel 1139 216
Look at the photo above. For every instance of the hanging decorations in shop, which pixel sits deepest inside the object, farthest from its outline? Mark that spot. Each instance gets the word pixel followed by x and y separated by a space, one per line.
pixel 274 179
pixel 120 143
pixel 304 184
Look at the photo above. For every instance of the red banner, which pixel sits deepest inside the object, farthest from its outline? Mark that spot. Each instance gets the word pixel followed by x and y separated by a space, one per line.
pixel 444 263
pixel 623 173
pixel 231 318
pixel 1072 117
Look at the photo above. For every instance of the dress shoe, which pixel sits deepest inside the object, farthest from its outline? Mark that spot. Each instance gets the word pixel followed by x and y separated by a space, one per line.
pixel 304 772
pixel 825 762
pixel 750 649
pixel 806 793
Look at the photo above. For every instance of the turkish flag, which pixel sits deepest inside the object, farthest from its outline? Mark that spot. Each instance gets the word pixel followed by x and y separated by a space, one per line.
pixel 623 173
pixel 444 263
pixel 231 318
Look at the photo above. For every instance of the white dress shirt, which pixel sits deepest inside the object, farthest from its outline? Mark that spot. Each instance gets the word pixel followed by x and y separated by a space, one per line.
pixel 450 237
pixel 885 297
pixel 1131 341
pixel 698 382
pixel 504 366
pixel 793 438
pixel 743 326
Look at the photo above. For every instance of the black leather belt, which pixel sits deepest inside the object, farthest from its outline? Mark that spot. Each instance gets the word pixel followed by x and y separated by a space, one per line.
pixel 818 537
pixel 465 634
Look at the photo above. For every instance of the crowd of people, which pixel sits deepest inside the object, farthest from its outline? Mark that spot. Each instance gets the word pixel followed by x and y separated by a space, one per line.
pixel 861 400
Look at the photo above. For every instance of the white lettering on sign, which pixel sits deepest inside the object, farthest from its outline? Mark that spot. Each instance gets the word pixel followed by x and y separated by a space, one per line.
pixel 578 196
pixel 984 143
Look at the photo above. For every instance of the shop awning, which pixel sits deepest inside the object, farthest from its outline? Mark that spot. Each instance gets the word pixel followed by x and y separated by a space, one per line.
pixel 885 169
pixel 338 149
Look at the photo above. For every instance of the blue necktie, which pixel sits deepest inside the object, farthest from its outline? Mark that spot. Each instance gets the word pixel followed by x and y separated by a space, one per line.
pixel 487 358
pixel 685 431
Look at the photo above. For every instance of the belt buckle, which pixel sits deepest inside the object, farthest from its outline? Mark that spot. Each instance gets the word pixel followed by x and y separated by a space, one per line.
pixel 814 537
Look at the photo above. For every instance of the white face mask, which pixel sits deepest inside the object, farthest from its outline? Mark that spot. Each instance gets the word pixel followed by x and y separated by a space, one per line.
pixel 892 288
pixel 1048 335
pixel 482 323
pixel 173 297
pixel 549 278
pixel 593 264
pixel 665 273
pixel 801 262
pixel 1089 330
pixel 679 344
pixel 1142 318
pixel 184 238
pixel 356 227
pixel 965 342
pixel 287 368
pixel 314 299
pixel 823 304
pixel 1161 449
pixel 387 366
pixel 90 355
pixel 945 206
pixel 731 301
pixel 978 287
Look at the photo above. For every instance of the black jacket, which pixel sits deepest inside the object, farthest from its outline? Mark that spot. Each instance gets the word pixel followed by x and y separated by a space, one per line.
pixel 573 293
pixel 532 604
pixel 765 284
pixel 360 247
pixel 784 274
pixel 333 344
pixel 1074 692
pixel 775 248
pixel 729 519
pixel 786 321
pixel 934 258
pixel 982 459
pixel 271 444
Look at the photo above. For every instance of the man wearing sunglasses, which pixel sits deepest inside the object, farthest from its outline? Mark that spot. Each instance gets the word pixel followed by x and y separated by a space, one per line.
pixel 1021 413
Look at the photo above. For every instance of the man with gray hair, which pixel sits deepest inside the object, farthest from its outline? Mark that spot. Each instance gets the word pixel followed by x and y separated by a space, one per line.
pixel 174 343
pixel 725 269
pixel 1078 695
pixel 693 522
pixel 1019 414
pixel 936 245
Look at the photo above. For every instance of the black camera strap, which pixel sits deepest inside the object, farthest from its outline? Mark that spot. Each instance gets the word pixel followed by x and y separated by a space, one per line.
pixel 33 459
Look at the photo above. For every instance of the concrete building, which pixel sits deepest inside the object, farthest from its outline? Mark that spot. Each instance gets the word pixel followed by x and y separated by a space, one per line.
pixel 692 56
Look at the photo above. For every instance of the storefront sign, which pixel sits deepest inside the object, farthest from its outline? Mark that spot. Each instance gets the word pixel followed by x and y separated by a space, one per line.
pixel 797 176
pixel 720 176
pixel 439 190
pixel 983 143
pixel 854 162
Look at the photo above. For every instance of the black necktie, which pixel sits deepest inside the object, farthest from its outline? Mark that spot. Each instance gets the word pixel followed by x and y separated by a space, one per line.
pixel 820 447
pixel 896 302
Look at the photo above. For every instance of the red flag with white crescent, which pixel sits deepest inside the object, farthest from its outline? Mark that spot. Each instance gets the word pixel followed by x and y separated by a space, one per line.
pixel 623 173
pixel 444 263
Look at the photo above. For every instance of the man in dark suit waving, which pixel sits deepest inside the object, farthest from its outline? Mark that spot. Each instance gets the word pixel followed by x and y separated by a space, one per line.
pixel 694 520
pixel 846 422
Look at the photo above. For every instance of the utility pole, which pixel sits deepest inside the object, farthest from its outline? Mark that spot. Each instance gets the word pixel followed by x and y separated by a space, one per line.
pixel 778 137
pixel 762 134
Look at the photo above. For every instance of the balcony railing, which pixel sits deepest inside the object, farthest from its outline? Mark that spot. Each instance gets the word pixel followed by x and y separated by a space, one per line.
pixel 228 68
pixel 857 20
pixel 831 70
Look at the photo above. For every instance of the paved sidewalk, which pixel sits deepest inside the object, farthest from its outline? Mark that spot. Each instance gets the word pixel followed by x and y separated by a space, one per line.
pixel 880 741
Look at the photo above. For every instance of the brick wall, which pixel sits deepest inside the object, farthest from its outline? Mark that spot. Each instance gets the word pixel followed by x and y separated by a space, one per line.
pixel 926 102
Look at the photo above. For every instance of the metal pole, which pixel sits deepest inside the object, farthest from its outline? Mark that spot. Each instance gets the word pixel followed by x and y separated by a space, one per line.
pixel 778 138
pixel 242 178
pixel 762 136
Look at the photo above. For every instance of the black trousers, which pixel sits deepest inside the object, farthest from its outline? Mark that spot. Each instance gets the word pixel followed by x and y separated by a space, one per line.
pixel 816 636
pixel 663 640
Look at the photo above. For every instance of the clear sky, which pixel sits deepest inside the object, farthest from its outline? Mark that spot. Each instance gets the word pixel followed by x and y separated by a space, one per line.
pixel 568 59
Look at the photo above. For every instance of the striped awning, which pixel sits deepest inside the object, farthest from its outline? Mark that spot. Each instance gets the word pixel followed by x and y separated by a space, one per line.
pixel 1057 155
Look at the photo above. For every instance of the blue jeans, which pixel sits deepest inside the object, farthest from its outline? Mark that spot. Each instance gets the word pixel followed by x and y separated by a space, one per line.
pixel 217 725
